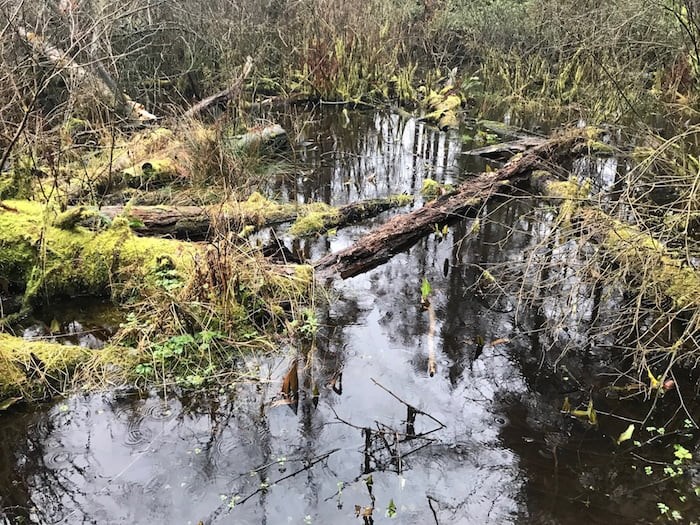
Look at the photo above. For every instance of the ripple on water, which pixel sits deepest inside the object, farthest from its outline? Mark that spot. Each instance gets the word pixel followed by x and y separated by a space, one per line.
pixel 158 410
pixel 137 433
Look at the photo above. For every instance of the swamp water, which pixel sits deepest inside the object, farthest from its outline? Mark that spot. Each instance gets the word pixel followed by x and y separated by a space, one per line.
pixel 481 441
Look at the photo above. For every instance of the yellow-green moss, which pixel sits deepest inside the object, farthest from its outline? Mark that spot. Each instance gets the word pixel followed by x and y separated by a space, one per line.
pixel 401 200
pixel 441 109
pixel 19 375
pixel 53 262
pixel 430 188
pixel 571 192
pixel 316 218
pixel 637 252
pixel 259 209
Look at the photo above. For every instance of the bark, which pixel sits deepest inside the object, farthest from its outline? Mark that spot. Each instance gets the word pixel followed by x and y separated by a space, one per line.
pixel 104 85
pixel 506 150
pixel 199 222
pixel 222 97
pixel 402 231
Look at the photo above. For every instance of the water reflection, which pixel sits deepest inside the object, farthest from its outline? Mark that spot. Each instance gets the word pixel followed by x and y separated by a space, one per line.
pixel 376 154
pixel 482 441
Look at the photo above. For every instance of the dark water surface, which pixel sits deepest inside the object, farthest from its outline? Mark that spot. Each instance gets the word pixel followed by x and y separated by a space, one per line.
pixel 481 441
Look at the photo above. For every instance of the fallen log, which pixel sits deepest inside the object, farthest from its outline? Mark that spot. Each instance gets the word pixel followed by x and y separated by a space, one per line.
pixel 222 97
pixel 402 231
pixel 198 222
pixel 157 156
pixel 505 150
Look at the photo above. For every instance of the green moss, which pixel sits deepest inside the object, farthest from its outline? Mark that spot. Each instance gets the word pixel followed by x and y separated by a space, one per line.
pixel 601 148
pixel 431 189
pixel 401 200
pixel 442 109
pixel 152 171
pixel 317 218
pixel 54 262
pixel 19 373
pixel 259 210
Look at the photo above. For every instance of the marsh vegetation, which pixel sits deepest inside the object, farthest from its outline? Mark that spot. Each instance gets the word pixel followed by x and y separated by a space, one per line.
pixel 458 239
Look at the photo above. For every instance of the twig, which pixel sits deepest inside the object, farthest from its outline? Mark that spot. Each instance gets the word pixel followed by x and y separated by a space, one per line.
pixel 430 504
pixel 418 411
pixel 316 460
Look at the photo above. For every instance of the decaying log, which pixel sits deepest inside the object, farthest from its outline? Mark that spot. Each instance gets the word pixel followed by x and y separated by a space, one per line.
pixel 506 150
pixel 155 157
pixel 224 96
pixel 402 231
pixel 198 222
pixel 267 139
pixel 104 86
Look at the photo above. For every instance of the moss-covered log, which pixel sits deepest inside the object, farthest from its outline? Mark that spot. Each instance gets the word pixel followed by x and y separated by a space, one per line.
pixel 35 370
pixel 47 261
pixel 199 222
pixel 658 269
pixel 402 231
pixel 156 157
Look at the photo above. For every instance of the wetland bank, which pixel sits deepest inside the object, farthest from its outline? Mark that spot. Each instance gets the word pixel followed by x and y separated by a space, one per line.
pixel 308 262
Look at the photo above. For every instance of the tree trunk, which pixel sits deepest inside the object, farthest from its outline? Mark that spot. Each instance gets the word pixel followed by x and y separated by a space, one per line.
pixel 402 231
pixel 198 222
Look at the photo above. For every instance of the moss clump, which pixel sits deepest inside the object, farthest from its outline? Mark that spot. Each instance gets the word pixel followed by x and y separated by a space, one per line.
pixel 32 369
pixel 154 171
pixel 260 210
pixel 317 218
pixel 432 189
pixel 442 109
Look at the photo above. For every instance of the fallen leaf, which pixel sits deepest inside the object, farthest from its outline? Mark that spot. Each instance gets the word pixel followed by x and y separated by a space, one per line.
pixel 626 435
pixel 7 403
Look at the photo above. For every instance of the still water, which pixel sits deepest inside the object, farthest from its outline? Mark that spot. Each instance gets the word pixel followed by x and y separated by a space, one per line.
pixel 375 438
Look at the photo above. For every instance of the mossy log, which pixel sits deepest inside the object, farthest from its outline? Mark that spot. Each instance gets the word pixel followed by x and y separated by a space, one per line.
pixel 659 270
pixel 402 231
pixel 199 222
pixel 156 157
pixel 442 108
pixel 35 370
pixel 46 261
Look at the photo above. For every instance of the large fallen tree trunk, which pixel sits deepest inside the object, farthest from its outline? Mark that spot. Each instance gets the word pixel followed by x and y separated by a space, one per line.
pixel 402 231
pixel 199 222
pixel 44 259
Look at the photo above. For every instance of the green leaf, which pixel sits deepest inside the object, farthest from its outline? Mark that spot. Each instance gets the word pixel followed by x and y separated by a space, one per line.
pixel 391 509
pixel 626 435
pixel 425 290
pixel 681 452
